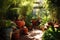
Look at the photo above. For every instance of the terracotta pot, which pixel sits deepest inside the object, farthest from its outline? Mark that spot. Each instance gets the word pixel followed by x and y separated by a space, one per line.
pixel 20 24
pixel 25 30
pixel 16 35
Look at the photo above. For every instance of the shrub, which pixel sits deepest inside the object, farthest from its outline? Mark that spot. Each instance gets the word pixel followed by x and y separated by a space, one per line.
pixel 51 34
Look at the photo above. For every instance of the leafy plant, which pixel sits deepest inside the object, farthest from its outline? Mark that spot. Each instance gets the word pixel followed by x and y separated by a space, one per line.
pixel 51 34
pixel 28 19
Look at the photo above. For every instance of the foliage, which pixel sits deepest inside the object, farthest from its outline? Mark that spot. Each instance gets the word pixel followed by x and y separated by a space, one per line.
pixel 10 8
pixel 45 19
pixel 51 34
pixel 54 6
pixel 28 19
pixel 44 12
pixel 22 7
pixel 54 3
pixel 25 7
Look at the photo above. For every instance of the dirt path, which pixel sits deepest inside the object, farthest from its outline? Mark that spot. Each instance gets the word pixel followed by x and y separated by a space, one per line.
pixel 33 35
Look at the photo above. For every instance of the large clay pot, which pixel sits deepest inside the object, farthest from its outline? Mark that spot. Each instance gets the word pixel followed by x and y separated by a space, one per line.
pixel 20 24
pixel 25 30
pixel 16 35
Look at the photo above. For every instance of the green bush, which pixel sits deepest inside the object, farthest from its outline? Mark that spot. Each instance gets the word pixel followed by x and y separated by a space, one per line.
pixel 51 34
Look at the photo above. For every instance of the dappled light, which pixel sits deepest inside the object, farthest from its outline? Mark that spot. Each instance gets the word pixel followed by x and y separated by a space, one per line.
pixel 35 34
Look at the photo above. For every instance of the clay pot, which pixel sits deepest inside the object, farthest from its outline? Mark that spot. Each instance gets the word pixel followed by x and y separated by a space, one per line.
pixel 25 30
pixel 20 24
pixel 16 35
